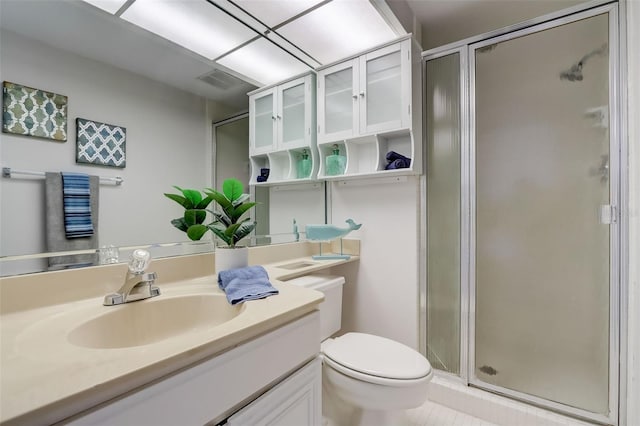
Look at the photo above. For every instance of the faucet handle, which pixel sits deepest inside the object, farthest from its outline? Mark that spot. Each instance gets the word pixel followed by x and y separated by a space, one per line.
pixel 139 261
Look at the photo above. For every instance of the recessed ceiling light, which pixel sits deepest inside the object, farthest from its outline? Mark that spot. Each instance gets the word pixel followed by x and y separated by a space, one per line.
pixel 195 25
pixel 111 6
pixel 338 29
pixel 263 62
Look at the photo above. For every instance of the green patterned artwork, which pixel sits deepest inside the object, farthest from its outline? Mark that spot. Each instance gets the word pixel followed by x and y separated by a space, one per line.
pixel 33 112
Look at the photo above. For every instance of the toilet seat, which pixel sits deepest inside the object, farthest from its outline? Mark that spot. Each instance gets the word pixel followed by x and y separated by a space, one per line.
pixel 375 359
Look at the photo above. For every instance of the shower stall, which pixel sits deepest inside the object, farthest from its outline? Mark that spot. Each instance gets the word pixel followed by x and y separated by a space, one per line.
pixel 522 187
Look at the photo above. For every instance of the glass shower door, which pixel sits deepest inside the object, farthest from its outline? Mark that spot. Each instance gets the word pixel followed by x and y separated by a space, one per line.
pixel 542 239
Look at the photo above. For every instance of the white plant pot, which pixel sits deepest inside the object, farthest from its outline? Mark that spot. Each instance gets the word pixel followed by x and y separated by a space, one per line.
pixel 231 258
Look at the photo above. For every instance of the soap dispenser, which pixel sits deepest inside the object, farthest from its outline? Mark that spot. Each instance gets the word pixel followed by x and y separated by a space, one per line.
pixel 335 163
pixel 304 165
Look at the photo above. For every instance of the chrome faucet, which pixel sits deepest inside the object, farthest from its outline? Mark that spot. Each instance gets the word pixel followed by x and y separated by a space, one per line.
pixel 138 285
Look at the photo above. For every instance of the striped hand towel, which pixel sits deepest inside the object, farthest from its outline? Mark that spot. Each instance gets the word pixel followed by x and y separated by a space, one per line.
pixel 77 205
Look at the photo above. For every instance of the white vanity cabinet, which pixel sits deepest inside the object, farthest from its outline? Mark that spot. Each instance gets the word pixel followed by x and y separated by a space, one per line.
pixel 370 105
pixel 274 379
pixel 295 401
pixel 282 121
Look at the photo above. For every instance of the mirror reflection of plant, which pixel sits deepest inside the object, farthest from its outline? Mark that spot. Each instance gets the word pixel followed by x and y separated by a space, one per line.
pixel 195 213
pixel 229 225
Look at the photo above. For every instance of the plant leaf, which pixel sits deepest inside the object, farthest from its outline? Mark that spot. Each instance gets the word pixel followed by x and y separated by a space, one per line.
pixel 195 232
pixel 205 202
pixel 243 231
pixel 231 229
pixel 219 198
pixel 240 210
pixel 220 234
pixel 193 196
pixel 242 199
pixel 179 199
pixel 232 189
pixel 180 224
pixel 222 218
pixel 194 216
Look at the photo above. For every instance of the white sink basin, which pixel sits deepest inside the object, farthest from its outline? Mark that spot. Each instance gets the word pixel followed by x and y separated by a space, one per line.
pixel 152 320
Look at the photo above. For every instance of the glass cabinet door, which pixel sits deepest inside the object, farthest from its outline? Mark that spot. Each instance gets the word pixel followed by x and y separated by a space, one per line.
pixel 338 101
pixel 381 90
pixel 264 119
pixel 292 117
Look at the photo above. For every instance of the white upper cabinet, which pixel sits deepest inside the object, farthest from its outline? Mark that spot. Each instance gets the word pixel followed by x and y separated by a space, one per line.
pixel 338 101
pixel 369 112
pixel 282 121
pixel 294 113
pixel 365 95
pixel 263 121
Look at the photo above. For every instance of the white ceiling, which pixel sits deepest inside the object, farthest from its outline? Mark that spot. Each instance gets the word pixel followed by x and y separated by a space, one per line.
pixel 144 48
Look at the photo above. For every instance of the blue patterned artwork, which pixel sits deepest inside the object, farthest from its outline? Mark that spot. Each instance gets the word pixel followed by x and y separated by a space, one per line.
pixel 100 143
pixel 32 112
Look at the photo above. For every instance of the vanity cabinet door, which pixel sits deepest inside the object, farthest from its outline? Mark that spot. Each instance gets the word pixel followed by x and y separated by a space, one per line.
pixel 262 122
pixel 295 401
pixel 338 102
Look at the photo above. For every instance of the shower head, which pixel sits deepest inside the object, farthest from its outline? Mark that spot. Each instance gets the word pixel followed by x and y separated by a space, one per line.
pixel 575 72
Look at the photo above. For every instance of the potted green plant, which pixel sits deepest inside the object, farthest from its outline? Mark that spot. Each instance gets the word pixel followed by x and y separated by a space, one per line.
pixel 230 224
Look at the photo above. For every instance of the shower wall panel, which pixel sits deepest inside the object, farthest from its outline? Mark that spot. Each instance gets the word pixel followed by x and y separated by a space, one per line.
pixel 443 211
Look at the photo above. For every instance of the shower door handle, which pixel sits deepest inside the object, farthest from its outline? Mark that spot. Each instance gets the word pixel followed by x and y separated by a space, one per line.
pixel 607 214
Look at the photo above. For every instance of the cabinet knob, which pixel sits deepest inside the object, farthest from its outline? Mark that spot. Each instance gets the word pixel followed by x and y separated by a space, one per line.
pixel 273 118
pixel 362 94
pixel 279 118
pixel 355 96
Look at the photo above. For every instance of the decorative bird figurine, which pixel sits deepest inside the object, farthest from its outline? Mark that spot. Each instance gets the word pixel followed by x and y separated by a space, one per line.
pixel 329 232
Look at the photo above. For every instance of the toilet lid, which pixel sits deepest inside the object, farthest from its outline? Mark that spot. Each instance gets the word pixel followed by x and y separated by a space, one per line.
pixel 377 356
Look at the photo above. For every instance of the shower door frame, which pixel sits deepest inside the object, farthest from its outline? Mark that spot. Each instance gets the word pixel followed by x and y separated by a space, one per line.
pixel 618 257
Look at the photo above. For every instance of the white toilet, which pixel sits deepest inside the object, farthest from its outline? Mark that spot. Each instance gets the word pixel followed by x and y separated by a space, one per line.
pixel 367 379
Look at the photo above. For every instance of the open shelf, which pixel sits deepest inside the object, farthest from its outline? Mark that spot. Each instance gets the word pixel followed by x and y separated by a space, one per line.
pixel 366 155
pixel 283 167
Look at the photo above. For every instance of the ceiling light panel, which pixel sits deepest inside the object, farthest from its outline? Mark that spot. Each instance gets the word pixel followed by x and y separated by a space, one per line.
pixel 111 6
pixel 338 29
pixel 193 24
pixel 274 12
pixel 263 62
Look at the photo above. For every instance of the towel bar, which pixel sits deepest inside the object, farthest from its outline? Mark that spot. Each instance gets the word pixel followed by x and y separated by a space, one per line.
pixel 8 172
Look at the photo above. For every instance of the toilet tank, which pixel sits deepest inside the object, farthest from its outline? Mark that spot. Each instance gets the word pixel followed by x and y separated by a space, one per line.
pixel 331 307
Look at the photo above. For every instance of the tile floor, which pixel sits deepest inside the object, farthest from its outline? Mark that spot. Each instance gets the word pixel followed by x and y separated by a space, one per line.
pixel 433 414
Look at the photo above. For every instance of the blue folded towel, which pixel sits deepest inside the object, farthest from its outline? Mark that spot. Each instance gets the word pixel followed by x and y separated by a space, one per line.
pixel 397 161
pixel 398 164
pixel 244 284
pixel 76 198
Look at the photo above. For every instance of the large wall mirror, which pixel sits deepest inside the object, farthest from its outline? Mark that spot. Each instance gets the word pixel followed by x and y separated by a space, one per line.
pixel 173 105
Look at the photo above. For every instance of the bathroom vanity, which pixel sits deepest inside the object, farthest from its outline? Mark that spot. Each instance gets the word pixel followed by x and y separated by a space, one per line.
pixel 66 358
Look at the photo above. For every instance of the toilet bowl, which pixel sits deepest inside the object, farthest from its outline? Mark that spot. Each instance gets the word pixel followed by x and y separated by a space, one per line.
pixel 367 379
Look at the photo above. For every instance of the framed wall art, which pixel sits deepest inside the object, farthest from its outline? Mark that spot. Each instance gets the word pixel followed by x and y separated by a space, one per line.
pixel 33 112
pixel 100 143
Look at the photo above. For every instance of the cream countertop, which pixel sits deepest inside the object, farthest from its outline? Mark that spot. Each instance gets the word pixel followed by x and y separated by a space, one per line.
pixel 44 377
